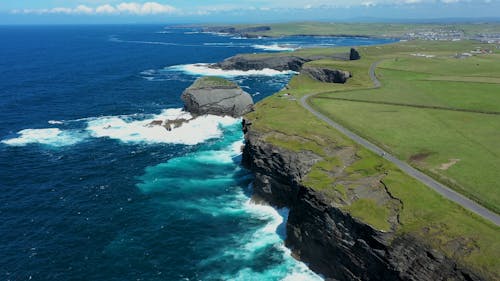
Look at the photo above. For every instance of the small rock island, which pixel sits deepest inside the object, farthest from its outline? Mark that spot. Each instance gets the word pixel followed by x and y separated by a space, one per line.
pixel 217 96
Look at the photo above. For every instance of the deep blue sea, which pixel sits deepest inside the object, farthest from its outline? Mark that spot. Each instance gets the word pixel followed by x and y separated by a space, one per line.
pixel 89 191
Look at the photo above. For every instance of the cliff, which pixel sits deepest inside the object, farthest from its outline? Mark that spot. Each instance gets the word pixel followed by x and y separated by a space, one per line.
pixel 280 61
pixel 327 75
pixel 249 62
pixel 323 234
pixel 213 95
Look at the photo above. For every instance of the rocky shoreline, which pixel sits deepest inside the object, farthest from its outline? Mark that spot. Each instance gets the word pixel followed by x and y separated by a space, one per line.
pixel 328 239
pixel 319 231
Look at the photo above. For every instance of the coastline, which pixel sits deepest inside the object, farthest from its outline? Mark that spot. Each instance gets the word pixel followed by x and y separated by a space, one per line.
pixel 360 250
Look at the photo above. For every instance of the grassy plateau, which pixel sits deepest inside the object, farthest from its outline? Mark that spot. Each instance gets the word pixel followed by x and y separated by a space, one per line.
pixel 369 29
pixel 439 113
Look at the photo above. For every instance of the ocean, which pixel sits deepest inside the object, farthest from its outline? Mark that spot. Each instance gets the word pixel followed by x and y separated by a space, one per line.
pixel 89 191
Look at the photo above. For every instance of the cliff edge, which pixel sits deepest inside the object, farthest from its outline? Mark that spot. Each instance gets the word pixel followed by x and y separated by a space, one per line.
pixel 280 61
pixel 322 233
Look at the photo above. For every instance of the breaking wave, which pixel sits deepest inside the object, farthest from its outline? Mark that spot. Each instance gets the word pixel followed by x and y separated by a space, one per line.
pixel 131 129
pixel 203 69
pixel 211 183
pixel 49 136
pixel 275 47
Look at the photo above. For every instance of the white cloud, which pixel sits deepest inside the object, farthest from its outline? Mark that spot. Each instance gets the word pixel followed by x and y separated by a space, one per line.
pixel 156 8
pixel 105 9
pixel 134 8
pixel 82 9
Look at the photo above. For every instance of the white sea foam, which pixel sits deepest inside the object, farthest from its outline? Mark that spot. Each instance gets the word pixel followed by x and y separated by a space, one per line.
pixel 203 69
pixel 236 148
pixel 289 270
pixel 221 156
pixel 269 235
pixel 48 136
pixel 133 129
pixel 239 38
pixel 228 44
pixel 275 47
pixel 55 122
pixel 129 130
pixel 244 248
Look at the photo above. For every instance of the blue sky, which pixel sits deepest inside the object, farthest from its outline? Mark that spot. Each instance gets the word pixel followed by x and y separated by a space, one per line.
pixel 186 11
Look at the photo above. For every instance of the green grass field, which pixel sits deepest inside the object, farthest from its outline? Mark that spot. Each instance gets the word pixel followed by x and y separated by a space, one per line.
pixel 369 29
pixel 454 132
pixel 464 144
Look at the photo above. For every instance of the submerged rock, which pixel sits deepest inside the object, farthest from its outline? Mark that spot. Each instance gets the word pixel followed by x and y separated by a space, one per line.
pixel 327 75
pixel 217 96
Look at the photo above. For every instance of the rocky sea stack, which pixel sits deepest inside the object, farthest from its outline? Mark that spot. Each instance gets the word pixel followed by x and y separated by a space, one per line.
pixel 217 96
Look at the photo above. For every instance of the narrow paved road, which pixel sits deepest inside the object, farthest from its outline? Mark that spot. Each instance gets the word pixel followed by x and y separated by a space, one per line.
pixel 430 182
pixel 376 82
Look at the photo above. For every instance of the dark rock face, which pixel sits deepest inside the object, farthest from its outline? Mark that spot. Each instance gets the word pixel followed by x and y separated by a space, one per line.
pixel 331 241
pixel 278 172
pixel 327 75
pixel 217 100
pixel 341 247
pixel 280 62
pixel 246 62
pixel 354 54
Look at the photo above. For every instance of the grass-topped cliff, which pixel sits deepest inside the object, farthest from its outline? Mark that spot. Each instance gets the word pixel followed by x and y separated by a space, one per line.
pixel 212 82
pixel 464 30
pixel 427 112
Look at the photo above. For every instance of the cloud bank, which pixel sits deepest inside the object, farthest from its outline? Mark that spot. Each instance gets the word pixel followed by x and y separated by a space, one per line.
pixel 130 8
pixel 225 7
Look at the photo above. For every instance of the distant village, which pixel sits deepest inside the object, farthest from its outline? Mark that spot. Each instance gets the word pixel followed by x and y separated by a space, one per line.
pixel 451 35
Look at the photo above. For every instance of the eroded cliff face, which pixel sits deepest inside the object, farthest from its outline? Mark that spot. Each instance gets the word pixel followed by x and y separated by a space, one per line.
pixel 327 75
pixel 329 239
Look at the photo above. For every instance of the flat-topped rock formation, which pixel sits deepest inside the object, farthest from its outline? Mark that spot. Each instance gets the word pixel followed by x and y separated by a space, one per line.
pixel 280 62
pixel 256 62
pixel 217 96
